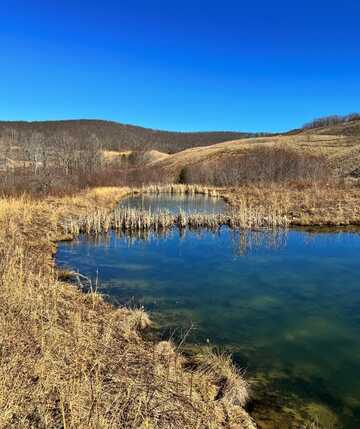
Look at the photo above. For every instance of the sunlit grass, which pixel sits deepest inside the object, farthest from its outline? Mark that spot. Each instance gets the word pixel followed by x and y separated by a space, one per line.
pixel 71 360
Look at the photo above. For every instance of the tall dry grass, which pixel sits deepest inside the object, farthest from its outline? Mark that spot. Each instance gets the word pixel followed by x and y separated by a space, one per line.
pixel 70 360
pixel 248 214
pixel 130 219
pixel 181 189
pixel 302 204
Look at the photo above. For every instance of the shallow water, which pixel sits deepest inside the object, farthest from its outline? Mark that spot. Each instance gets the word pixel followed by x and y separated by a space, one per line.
pixel 174 203
pixel 286 306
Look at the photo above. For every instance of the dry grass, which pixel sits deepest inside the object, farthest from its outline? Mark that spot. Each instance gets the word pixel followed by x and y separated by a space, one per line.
pixel 70 360
pixel 337 144
pixel 234 388
pixel 302 205
pixel 128 219
pixel 113 156
pixel 181 189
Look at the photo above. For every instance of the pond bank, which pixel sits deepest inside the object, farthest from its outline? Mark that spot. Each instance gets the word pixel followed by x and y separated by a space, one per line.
pixel 74 353
pixel 239 289
pixel 334 204
pixel 78 361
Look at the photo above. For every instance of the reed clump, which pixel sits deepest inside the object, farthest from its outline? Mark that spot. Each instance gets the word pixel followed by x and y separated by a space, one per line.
pixel 71 360
pixel 181 189
pixel 131 219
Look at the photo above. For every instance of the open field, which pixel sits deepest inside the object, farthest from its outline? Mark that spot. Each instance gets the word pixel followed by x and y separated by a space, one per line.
pixel 71 360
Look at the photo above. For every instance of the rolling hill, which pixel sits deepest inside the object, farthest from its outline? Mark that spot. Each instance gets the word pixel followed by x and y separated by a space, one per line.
pixel 339 144
pixel 112 135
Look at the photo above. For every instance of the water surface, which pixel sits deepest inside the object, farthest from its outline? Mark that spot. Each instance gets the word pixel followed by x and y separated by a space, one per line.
pixel 174 203
pixel 286 306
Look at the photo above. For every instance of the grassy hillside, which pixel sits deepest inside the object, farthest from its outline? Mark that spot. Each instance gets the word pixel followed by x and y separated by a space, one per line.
pixel 339 144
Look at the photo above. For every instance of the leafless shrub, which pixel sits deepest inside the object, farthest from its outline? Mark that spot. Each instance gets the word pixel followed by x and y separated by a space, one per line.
pixel 328 121
pixel 260 165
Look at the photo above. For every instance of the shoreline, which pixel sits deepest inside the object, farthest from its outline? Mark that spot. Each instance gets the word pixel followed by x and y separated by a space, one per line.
pixel 80 331
pixel 61 332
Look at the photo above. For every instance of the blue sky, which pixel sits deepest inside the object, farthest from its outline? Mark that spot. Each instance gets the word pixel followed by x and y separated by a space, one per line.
pixel 180 65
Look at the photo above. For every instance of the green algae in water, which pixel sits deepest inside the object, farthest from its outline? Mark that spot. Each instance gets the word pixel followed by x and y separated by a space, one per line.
pixel 288 312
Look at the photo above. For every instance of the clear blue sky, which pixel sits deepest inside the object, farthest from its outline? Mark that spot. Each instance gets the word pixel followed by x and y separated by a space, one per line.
pixel 255 65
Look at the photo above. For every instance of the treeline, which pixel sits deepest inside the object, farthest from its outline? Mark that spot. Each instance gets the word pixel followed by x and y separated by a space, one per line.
pixel 66 156
pixel 113 136
pixel 328 121
pixel 260 165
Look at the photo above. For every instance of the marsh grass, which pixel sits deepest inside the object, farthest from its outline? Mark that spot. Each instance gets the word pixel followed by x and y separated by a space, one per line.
pixel 130 219
pixel 303 204
pixel 71 360
pixel 181 189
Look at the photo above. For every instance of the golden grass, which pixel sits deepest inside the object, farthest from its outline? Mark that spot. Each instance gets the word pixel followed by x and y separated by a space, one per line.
pixel 181 189
pixel 114 155
pixel 71 360
pixel 129 219
pixel 341 150
pixel 304 205
pixel 235 389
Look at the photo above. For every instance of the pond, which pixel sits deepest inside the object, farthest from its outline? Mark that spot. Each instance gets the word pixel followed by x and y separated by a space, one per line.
pixel 286 305
pixel 175 203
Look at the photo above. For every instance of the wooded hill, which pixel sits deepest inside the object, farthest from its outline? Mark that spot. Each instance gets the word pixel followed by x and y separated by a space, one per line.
pixel 112 135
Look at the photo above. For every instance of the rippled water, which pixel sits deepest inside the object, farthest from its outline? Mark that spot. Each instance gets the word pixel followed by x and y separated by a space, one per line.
pixel 286 306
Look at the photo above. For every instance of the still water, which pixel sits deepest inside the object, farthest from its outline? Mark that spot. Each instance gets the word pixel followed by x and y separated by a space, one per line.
pixel 286 306
pixel 175 203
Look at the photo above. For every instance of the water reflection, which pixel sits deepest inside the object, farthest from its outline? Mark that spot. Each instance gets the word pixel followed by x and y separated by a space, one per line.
pixel 175 202
pixel 285 303
pixel 243 241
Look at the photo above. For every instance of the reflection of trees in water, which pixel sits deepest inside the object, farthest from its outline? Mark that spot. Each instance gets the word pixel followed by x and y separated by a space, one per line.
pixel 245 241
pixel 129 237
pixel 330 236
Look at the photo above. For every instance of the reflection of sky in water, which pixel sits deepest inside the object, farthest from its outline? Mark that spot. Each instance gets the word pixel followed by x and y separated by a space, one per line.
pixel 287 307
pixel 175 203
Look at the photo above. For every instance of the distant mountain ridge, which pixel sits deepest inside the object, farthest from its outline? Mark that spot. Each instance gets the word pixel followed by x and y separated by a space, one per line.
pixel 112 135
